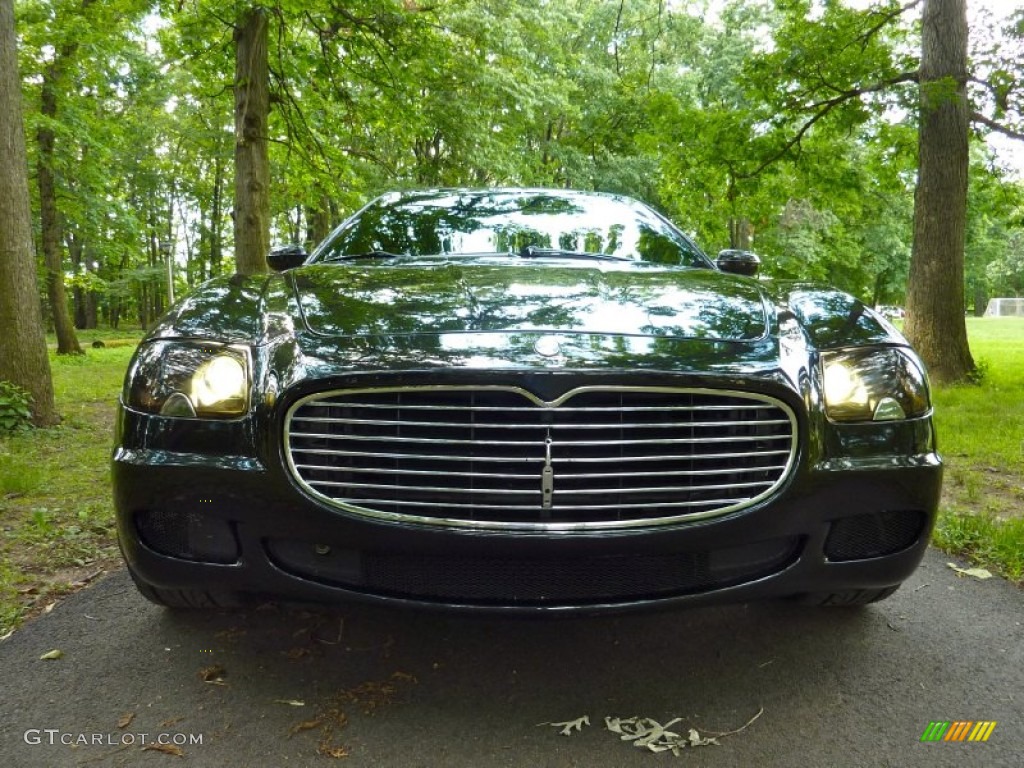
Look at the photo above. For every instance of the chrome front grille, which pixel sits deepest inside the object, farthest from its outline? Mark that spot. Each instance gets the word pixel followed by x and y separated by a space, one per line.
pixel 500 457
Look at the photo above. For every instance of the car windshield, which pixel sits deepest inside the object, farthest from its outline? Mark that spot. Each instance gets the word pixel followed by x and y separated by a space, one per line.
pixel 529 223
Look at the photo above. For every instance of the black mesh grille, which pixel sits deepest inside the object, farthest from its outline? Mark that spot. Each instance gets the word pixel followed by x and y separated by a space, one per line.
pixel 500 456
pixel 187 535
pixel 524 581
pixel 537 581
pixel 873 535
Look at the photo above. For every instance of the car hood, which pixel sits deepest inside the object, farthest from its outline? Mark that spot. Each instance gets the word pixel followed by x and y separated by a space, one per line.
pixel 476 296
pixel 322 321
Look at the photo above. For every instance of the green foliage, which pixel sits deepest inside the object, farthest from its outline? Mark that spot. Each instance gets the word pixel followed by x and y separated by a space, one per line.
pixel 15 408
pixel 790 118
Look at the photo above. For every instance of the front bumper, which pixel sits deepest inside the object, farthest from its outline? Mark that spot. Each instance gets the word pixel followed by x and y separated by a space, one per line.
pixel 233 523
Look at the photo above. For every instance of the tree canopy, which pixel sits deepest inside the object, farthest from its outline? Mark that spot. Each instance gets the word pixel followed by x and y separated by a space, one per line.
pixel 790 127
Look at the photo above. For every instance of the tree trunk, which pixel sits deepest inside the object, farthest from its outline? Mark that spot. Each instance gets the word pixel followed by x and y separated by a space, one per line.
pixel 92 298
pixel 77 292
pixel 53 253
pixel 167 247
pixel 155 261
pixel 23 357
pixel 216 212
pixel 118 304
pixel 252 164
pixel 197 269
pixel 980 299
pixel 318 222
pixel 741 233
pixel 935 321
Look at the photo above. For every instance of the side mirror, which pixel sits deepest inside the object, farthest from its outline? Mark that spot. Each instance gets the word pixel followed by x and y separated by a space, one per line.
pixel 738 262
pixel 284 257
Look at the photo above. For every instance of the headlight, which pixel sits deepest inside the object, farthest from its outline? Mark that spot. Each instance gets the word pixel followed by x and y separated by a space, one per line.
pixel 874 385
pixel 189 380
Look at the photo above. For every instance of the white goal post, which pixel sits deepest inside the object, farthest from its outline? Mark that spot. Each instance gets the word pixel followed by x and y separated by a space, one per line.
pixel 1005 307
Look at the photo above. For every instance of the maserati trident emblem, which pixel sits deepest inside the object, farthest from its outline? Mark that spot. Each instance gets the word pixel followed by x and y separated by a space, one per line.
pixel 547 346
pixel 547 477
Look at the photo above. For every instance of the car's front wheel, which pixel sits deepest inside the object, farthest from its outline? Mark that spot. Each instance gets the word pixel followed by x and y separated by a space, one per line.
pixel 185 598
pixel 848 598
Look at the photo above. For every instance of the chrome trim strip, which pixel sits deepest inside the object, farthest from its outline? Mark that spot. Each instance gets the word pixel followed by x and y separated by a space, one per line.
pixel 570 507
pixel 531 478
pixel 583 443
pixel 563 409
pixel 406 472
pixel 565 460
pixel 721 506
pixel 479 425
pixel 505 491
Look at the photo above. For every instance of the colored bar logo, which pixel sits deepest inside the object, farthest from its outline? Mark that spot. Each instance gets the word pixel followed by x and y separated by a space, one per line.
pixel 958 730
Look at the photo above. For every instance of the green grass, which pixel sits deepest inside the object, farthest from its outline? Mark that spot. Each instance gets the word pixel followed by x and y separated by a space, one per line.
pixel 981 437
pixel 986 422
pixel 983 539
pixel 17 477
pixel 58 522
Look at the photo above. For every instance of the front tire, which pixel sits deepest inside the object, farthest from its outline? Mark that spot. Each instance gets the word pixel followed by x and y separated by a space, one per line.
pixel 192 599
pixel 847 599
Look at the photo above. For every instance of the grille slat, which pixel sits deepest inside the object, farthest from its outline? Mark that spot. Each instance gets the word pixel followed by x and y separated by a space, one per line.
pixel 506 491
pixel 527 441
pixel 480 460
pixel 562 408
pixel 531 507
pixel 671 457
pixel 479 425
pixel 579 476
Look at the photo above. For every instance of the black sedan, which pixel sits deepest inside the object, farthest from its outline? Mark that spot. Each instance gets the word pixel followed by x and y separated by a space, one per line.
pixel 521 400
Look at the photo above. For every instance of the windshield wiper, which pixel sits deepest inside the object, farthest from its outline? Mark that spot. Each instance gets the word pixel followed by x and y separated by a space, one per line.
pixel 533 252
pixel 376 254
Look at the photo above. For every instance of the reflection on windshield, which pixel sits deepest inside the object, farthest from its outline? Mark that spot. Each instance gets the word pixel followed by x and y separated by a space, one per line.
pixel 431 223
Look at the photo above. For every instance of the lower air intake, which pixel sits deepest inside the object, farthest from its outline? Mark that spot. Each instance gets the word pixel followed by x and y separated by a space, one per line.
pixel 188 536
pixel 873 535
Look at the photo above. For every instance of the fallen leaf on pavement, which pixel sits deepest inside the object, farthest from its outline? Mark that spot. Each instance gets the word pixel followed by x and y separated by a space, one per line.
pixel 649 734
pixel 167 749
pixel 231 633
pixel 327 750
pixel 977 573
pixel 86 579
pixel 126 720
pixel 570 725
pixel 213 675
pixel 696 740
pixel 305 725
pixel 56 653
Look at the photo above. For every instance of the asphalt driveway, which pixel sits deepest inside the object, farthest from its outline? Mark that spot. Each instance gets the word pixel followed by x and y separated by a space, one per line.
pixel 362 686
